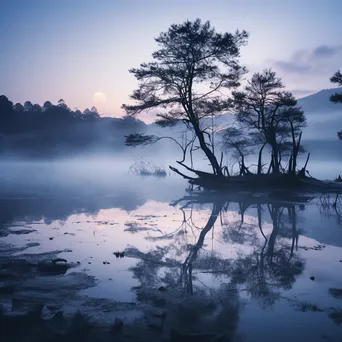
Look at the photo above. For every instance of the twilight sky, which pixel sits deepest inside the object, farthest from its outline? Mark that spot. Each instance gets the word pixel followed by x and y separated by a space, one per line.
pixel 72 49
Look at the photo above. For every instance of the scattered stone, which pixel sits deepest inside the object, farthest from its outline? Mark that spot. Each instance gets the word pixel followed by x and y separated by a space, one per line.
pixel 78 262
pixel 54 261
pixel 106 263
pixel 119 254
pixel 32 244
pixel 50 238
pixel 22 231
pixel 312 278
pixel 89 262
pixel 162 289
pixel 52 268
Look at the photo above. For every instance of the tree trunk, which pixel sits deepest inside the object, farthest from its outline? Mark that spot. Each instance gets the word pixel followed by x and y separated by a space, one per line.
pixel 260 159
pixel 296 147
pixel 271 165
pixel 275 160
pixel 207 151
pixel 290 164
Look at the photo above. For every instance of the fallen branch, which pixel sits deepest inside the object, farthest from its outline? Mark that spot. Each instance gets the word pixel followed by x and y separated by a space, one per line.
pixel 182 174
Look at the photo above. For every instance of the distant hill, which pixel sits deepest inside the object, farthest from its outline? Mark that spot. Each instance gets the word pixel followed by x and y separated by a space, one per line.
pixel 319 102
pixel 324 118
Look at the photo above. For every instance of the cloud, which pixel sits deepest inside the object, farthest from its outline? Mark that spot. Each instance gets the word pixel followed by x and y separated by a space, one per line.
pixel 321 59
pixel 292 67
pixel 326 51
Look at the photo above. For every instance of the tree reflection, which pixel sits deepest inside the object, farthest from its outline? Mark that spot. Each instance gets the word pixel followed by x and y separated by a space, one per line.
pixel 269 264
pixel 186 271
pixel 272 265
pixel 331 207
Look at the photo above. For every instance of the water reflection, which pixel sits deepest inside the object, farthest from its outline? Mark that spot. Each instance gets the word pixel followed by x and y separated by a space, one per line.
pixel 269 264
pixel 257 256
pixel 200 258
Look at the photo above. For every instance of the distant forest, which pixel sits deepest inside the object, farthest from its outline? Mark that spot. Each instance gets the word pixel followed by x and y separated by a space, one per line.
pixel 32 130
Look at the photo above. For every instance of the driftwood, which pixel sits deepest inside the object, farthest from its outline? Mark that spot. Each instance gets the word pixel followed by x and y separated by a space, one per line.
pixel 264 182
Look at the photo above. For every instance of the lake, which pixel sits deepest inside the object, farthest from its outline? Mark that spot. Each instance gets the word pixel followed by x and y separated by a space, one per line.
pixel 144 253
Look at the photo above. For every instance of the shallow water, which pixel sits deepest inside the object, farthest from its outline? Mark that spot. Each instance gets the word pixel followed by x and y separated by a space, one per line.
pixel 260 255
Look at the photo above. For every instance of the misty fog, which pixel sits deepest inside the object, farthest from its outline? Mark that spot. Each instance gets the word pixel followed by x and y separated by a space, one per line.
pixel 199 211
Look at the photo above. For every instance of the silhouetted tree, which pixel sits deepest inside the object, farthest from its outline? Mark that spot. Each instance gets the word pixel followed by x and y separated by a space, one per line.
pixel 28 106
pixel 264 108
pixel 37 108
pixel 6 106
pixel 86 111
pixel 91 114
pixel 61 103
pixel 337 98
pixel 18 107
pixel 57 130
pixel 242 145
pixel 188 77
pixel 47 105
pixel 337 79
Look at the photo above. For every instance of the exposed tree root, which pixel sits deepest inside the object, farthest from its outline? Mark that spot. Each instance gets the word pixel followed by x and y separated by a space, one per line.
pixel 262 183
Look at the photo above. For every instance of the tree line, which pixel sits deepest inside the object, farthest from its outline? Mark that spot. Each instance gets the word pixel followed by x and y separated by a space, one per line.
pixel 55 129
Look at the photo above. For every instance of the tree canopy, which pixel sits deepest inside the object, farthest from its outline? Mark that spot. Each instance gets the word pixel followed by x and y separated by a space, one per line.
pixel 269 115
pixel 194 75
pixel 337 98
pixel 337 79
pixel 189 77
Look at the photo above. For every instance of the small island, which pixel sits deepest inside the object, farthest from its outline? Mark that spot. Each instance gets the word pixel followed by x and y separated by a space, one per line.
pixel 195 77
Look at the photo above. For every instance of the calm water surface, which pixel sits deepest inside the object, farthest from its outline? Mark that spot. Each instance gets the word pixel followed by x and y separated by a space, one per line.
pixel 278 261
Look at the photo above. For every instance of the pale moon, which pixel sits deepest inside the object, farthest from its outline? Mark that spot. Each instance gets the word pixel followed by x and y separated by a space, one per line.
pixel 99 98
